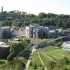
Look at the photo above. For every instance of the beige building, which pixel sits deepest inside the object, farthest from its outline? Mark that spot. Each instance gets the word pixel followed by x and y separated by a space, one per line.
pixel 16 31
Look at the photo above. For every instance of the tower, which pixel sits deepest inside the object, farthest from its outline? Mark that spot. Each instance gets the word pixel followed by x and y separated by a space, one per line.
pixel 2 9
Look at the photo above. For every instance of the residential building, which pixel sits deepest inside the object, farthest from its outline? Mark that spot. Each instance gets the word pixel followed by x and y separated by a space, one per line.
pixel 16 31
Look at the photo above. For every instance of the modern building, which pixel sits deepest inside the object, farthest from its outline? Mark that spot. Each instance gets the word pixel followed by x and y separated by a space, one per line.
pixel 44 32
pixel 34 31
pixel 29 31
pixel 62 32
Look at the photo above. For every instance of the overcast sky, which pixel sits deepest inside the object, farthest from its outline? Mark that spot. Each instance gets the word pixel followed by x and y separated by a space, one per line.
pixel 37 6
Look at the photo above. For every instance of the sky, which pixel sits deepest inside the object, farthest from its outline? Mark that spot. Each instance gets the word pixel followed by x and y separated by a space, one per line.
pixel 37 6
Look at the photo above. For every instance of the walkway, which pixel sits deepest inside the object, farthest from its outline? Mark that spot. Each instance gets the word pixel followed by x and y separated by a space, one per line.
pixel 42 62
pixel 29 59
pixel 48 57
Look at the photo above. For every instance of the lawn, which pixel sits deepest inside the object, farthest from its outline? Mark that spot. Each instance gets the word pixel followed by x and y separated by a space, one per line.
pixel 45 59
pixel 68 29
pixel 43 41
pixel 3 61
pixel 35 61
pixel 56 53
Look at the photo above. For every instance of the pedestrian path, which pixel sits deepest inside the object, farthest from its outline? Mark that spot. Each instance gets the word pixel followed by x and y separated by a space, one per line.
pixel 42 61
pixel 48 57
pixel 28 62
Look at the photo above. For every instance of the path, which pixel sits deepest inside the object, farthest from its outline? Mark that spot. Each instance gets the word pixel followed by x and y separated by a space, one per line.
pixel 48 57
pixel 42 62
pixel 29 59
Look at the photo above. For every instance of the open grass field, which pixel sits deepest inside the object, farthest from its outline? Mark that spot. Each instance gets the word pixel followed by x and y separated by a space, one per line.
pixel 56 53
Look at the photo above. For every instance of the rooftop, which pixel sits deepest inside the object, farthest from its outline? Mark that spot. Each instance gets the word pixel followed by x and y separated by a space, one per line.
pixel 2 44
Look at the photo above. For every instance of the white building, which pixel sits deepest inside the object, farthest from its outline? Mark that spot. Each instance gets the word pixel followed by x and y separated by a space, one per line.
pixel 66 45
pixel 29 31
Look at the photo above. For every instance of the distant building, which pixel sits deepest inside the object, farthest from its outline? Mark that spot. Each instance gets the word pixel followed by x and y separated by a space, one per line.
pixel 15 11
pixel 2 9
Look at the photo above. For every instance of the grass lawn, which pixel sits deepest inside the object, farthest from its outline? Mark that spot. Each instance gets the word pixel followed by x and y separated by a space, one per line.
pixel 35 61
pixel 56 53
pixel 68 66
pixel 68 29
pixel 39 68
pixel 3 61
pixel 43 41
pixel 45 59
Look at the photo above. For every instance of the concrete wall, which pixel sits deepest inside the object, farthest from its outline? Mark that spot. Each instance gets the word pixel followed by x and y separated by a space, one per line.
pixel 4 52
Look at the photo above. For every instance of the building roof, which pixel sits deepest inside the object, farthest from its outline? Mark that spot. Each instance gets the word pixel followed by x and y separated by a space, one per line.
pixel 5 27
pixel 66 45
pixel 1 43
pixel 52 31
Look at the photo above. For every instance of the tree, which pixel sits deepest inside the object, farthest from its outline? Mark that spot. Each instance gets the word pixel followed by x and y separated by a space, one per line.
pixel 16 48
pixel 17 23
pixel 35 66
pixel 52 64
pixel 42 15
pixel 66 60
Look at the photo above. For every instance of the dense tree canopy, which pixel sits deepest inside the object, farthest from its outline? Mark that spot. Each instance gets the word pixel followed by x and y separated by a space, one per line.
pixel 23 19
pixel 16 48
